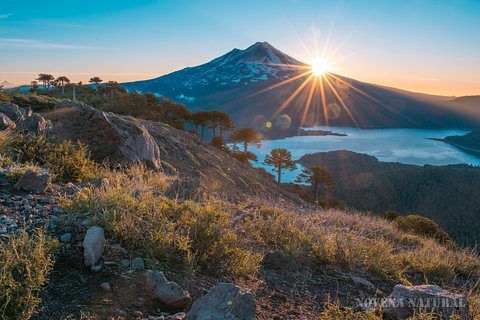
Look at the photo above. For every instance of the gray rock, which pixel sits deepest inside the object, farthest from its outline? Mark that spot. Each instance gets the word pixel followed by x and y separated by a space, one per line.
pixel 6 122
pixel 13 112
pixel 171 294
pixel 152 278
pixel 108 136
pixel 32 181
pixel 34 124
pixel 225 302
pixel 138 263
pixel 66 237
pixel 96 269
pixel 404 301
pixel 93 245
pixel 106 286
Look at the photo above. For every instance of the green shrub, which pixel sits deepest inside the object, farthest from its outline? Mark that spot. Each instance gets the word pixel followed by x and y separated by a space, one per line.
pixel 391 215
pixel 181 236
pixel 423 226
pixel 25 263
pixel 4 97
pixel 38 103
pixel 66 161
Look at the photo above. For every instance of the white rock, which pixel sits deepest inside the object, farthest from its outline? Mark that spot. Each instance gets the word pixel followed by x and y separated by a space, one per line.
pixel 93 245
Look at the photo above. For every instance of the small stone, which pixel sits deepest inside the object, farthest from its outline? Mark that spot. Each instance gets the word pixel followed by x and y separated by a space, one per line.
pixel 139 301
pixel 29 197
pixel 66 237
pixel 106 286
pixel 138 263
pixel 96 268
pixel 50 200
pixel 27 207
pixel 125 263
pixel 177 316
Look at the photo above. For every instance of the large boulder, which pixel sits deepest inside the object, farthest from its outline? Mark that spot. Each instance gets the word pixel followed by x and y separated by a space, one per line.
pixel 33 124
pixel 225 302
pixel 110 137
pixel 14 112
pixel 33 182
pixel 404 301
pixel 93 245
pixel 6 122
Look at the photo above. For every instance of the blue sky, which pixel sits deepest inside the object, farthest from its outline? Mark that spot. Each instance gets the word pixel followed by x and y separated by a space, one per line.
pixel 427 46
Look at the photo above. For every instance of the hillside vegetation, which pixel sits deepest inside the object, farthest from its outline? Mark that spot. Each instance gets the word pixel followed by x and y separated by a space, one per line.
pixel 447 194
pixel 204 218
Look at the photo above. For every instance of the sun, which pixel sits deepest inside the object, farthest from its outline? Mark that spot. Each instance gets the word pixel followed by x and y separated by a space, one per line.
pixel 320 67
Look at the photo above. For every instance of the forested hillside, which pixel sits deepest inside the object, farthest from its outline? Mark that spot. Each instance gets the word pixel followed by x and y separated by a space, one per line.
pixel 447 194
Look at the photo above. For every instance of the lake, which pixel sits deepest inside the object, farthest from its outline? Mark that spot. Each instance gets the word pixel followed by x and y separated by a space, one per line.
pixel 409 146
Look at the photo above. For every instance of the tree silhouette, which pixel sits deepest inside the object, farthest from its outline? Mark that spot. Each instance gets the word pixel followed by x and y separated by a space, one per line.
pixel 280 159
pixel 316 177
pixel 97 81
pixel 246 136
pixel 225 123
pixel 45 78
pixel 200 118
pixel 62 80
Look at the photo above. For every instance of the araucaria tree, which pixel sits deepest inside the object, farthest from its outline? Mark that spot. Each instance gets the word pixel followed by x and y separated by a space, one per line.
pixel 246 136
pixel 280 159
pixel 97 81
pixel 318 178
pixel 62 80
pixel 45 78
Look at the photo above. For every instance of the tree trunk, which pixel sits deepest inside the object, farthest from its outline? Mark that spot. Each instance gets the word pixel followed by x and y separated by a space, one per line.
pixel 203 130
pixel 96 85
pixel 245 148
pixel 63 90
pixel 279 174
pixel 316 193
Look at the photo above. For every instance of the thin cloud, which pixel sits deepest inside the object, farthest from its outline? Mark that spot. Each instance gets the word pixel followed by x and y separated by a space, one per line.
pixel 5 15
pixel 426 79
pixel 30 43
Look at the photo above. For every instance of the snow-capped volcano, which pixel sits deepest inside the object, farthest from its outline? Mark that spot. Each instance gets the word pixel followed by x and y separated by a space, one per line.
pixel 259 62
pixel 251 86
pixel 7 85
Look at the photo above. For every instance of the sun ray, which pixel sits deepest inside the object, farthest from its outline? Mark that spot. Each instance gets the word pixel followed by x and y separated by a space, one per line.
pixel 309 100
pixel 344 105
pixel 324 101
pixel 293 95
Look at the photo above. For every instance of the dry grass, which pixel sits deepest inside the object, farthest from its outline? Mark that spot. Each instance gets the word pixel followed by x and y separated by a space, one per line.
pixel 181 236
pixel 24 266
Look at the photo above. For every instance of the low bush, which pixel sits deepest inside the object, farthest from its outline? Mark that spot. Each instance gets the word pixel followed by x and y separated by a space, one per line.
pixel 38 103
pixel 25 263
pixel 423 226
pixel 66 161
